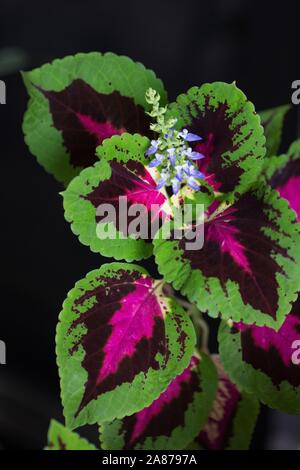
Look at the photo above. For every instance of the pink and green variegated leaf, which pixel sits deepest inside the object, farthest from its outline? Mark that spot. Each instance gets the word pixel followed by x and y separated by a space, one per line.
pixel 286 177
pixel 173 420
pixel 120 342
pixel 121 181
pixel 77 102
pixel 265 362
pixel 233 140
pixel 272 120
pixel 231 423
pixel 249 267
pixel 61 438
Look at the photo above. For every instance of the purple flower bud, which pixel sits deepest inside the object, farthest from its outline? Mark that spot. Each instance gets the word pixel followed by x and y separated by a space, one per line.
pixel 157 161
pixel 172 159
pixel 172 156
pixel 188 136
pixel 196 173
pixel 151 150
pixel 175 185
pixel 192 137
pixel 179 172
pixel 193 155
pixel 192 184
pixel 153 147
pixel 154 163
pixel 187 168
pixel 161 183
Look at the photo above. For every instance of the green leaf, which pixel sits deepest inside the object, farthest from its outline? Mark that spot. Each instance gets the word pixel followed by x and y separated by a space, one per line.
pixel 121 181
pixel 174 419
pixel 244 422
pixel 249 266
pixel 61 438
pixel 205 196
pixel 272 120
pixel 120 342
pixel 232 136
pixel 280 168
pixel 78 101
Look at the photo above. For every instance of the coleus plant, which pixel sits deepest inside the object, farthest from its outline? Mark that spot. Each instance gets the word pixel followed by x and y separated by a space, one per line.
pixel 132 350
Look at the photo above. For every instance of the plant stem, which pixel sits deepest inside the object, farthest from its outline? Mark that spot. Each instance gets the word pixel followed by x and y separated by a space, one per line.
pixel 201 327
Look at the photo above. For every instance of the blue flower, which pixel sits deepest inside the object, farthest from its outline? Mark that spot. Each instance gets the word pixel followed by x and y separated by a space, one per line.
pixel 153 147
pixel 193 155
pixel 175 159
pixel 192 183
pixel 175 185
pixel 192 171
pixel 163 180
pixel 172 156
pixel 188 136
pixel 157 161
pixel 179 172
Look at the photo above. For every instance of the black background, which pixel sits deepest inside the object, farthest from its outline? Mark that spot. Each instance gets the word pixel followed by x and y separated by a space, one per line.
pixel 186 43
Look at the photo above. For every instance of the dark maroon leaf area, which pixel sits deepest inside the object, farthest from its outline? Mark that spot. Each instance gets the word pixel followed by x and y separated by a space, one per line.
pixel 131 180
pixel 235 248
pixel 96 322
pixel 216 128
pixel 281 177
pixel 219 439
pixel 86 117
pixel 170 417
pixel 271 362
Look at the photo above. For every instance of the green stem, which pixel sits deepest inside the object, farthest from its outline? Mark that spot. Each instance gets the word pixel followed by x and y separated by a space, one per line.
pixel 201 327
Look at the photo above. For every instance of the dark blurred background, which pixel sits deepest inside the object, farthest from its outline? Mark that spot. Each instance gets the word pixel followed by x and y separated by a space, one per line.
pixel 186 43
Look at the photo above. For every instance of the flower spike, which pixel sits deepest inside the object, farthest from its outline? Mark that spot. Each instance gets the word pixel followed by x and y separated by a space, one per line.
pixel 173 156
